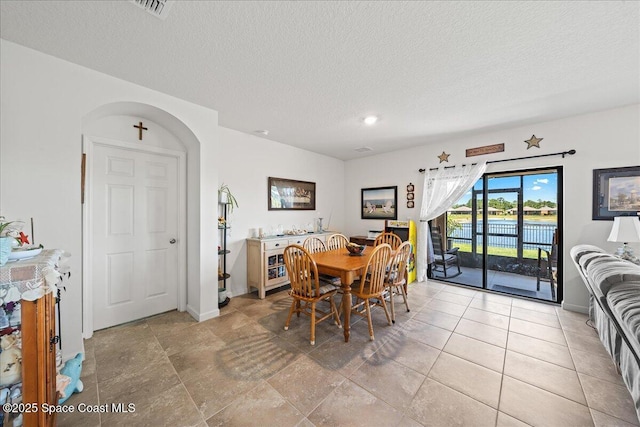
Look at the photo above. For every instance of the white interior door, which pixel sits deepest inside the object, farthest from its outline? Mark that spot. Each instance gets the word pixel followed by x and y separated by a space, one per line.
pixel 134 230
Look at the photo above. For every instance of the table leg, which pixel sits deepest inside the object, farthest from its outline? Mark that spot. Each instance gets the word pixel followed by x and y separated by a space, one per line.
pixel 346 305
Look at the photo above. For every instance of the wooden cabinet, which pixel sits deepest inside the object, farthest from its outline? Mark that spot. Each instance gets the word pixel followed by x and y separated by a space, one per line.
pixel 265 261
pixel 39 341
pixel 37 338
pixel 362 240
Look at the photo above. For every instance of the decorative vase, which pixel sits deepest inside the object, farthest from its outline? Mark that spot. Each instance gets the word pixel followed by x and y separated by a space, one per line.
pixel 5 249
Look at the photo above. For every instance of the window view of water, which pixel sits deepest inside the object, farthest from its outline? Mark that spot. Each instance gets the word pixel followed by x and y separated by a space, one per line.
pixel 502 232
pixel 517 261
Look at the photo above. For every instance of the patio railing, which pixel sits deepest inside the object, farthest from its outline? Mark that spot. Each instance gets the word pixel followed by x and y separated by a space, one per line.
pixel 504 234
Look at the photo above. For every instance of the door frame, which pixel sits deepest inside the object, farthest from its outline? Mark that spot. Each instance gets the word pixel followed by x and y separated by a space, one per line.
pixel 484 193
pixel 88 144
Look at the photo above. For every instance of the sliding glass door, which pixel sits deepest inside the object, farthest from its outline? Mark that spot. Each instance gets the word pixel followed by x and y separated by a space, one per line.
pixel 507 231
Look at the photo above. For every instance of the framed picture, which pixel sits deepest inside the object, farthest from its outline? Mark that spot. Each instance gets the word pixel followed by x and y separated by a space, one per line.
pixel 290 195
pixel 379 203
pixel 616 192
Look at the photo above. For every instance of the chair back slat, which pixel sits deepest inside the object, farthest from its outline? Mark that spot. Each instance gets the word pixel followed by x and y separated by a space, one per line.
pixel 337 241
pixel 391 239
pixel 554 246
pixel 303 272
pixel 436 240
pixel 398 266
pixel 313 244
pixel 376 269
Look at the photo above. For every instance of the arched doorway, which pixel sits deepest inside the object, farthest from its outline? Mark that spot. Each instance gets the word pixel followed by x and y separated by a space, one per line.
pixel 109 137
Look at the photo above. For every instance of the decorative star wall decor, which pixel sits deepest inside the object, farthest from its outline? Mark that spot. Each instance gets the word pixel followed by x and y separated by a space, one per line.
pixel 533 142
pixel 444 157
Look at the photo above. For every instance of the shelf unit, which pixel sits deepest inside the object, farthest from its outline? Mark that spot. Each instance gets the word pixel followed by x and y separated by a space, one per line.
pixel 223 276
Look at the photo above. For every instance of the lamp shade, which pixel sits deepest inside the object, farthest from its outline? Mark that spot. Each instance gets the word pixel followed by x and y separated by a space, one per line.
pixel 625 229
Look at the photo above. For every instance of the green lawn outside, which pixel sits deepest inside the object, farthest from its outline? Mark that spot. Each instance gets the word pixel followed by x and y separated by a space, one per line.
pixel 508 252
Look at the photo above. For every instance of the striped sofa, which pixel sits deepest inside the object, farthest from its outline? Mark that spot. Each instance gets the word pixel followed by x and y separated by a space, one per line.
pixel 614 308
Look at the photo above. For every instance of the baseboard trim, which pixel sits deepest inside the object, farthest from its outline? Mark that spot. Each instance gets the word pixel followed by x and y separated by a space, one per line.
pixel 201 317
pixel 576 308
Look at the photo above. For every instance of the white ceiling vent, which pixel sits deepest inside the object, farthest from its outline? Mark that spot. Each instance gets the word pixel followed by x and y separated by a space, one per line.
pixel 158 8
pixel 363 149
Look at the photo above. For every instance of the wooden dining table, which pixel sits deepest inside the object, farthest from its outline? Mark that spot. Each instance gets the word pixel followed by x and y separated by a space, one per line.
pixel 339 263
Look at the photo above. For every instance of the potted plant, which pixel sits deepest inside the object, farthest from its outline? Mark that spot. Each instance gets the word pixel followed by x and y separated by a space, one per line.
pixel 6 240
pixel 225 196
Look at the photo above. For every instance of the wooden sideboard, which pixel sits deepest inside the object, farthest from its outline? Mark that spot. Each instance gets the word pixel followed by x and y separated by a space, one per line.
pixel 362 240
pixel 265 261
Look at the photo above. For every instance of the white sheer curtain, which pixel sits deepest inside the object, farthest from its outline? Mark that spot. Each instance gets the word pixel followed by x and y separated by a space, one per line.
pixel 442 188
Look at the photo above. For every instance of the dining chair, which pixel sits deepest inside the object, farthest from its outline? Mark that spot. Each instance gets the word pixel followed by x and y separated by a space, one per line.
pixel 396 280
pixel 391 239
pixel 313 244
pixel 306 290
pixel 337 241
pixel 368 291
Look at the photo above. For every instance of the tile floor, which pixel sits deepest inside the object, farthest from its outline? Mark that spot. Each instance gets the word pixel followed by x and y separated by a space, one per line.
pixel 460 357
pixel 511 283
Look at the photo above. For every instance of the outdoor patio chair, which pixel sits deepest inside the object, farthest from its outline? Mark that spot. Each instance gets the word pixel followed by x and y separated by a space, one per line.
pixel 550 259
pixel 443 258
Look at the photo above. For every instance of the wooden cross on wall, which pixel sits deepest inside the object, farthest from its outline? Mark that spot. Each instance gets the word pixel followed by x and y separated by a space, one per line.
pixel 140 129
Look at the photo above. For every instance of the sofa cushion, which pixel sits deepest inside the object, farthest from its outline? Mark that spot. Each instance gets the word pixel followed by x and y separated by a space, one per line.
pixel 624 301
pixel 586 259
pixel 579 251
pixel 604 273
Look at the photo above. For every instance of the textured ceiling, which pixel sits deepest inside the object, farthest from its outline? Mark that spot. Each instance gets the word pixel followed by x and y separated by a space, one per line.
pixel 310 71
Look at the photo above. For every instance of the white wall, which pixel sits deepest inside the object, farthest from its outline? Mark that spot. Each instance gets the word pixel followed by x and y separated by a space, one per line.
pixel 603 140
pixel 245 163
pixel 43 103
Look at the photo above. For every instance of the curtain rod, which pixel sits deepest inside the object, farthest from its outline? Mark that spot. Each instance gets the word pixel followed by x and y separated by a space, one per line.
pixel 562 153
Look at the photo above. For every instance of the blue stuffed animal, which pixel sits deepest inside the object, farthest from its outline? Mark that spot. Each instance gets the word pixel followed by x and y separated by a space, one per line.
pixel 72 369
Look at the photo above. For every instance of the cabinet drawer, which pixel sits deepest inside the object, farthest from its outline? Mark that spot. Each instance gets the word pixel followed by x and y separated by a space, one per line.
pixel 276 244
pixel 297 241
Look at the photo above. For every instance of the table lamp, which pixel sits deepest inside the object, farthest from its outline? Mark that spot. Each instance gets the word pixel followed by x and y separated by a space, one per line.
pixel 625 229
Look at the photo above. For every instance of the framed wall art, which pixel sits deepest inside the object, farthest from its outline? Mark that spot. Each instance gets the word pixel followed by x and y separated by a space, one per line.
pixel 616 192
pixel 379 203
pixel 291 195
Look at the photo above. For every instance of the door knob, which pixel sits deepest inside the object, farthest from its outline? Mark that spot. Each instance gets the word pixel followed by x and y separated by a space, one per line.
pixel 172 241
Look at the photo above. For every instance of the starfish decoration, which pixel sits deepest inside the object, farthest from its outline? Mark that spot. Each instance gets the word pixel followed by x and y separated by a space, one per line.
pixel 533 142
pixel 23 238
pixel 444 157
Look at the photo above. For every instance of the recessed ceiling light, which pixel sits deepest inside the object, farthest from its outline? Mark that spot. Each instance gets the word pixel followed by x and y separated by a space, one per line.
pixel 262 132
pixel 370 120
pixel 363 149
